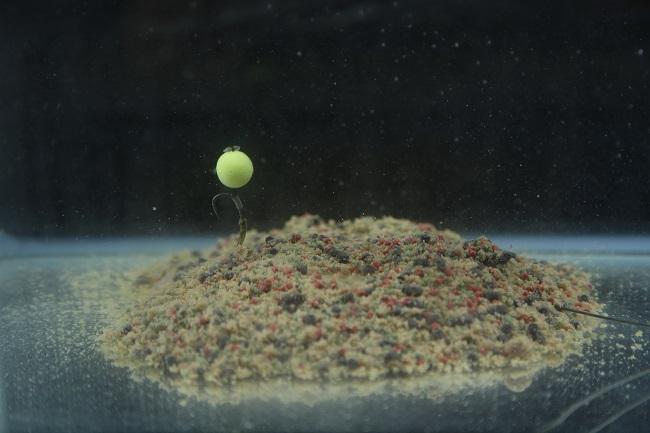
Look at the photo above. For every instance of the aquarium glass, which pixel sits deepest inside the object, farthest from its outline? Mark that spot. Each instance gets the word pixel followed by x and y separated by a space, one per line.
pixel 324 216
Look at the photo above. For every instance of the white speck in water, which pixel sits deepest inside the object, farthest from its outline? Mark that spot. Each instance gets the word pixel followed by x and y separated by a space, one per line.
pixel 639 52
pixel 456 45
pixel 154 208
pixel 396 78
pixel 299 53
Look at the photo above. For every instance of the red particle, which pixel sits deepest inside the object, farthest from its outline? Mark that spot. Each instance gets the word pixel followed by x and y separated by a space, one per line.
pixel 171 313
pixel 524 276
pixel 376 264
pixel 443 359
pixel 419 361
pixel 348 329
pixel 435 325
pixel 399 348
pixel 203 321
pixel 265 285
pixel 287 286
pixel 318 284
pixel 206 351
pixel 342 351
pixel 482 350
pixel 315 303
pixel 333 284
pixel 478 291
pixel 370 314
pixel 439 280
pixel 471 304
pixel 273 327
pixel 526 318
pixel 419 272
pixel 319 333
pixel 234 347
pixel 433 291
pixel 295 238
pixel 254 301
pixel 425 227
pixel 471 251
pixel 274 268
pixel 440 237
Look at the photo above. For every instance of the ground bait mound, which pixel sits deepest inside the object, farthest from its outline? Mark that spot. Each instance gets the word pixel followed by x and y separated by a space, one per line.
pixel 360 300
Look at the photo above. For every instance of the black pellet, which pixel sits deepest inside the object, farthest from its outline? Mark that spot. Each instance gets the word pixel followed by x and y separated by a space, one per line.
pixel 127 329
pixel 290 302
pixel 430 318
pixel 302 268
pixel 412 290
pixel 391 357
pixel 463 320
pixel 222 340
pixel 422 261
pixel 492 295
pixel 583 298
pixel 367 269
pixel 309 319
pixel 505 257
pixel 535 334
pixel 338 255
pixel 204 276
pixel 347 298
pixel 352 363
pixel 367 258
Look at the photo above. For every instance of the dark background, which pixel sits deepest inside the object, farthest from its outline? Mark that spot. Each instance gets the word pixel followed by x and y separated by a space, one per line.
pixel 475 115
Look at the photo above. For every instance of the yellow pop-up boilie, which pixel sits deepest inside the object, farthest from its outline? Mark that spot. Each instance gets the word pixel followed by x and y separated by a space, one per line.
pixel 234 170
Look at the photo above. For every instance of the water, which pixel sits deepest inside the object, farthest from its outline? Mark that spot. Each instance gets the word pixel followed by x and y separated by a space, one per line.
pixel 525 121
